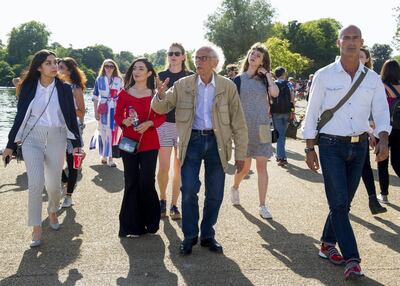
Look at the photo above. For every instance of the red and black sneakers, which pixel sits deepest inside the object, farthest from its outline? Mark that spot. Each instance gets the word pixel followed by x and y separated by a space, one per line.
pixel 353 271
pixel 330 252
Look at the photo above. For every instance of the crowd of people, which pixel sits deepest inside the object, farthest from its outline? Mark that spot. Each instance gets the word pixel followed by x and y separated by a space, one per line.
pixel 202 116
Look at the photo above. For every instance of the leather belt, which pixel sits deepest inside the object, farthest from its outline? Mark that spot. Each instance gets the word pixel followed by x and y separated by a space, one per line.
pixel 203 132
pixel 349 139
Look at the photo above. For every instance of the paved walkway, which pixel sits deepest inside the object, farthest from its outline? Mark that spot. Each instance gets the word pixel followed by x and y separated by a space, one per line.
pixel 282 251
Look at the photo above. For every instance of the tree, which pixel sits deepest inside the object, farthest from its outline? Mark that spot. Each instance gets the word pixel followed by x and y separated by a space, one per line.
pixel 396 38
pixel 238 24
pixel 380 53
pixel 280 55
pixel 189 60
pixel 90 75
pixel 26 40
pixel 157 59
pixel 93 56
pixel 3 54
pixel 6 74
pixel 314 39
pixel 124 59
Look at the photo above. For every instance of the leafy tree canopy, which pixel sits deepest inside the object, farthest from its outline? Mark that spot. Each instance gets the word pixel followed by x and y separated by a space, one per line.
pixel 380 53
pixel 281 55
pixel 314 39
pixel 26 40
pixel 238 24
pixel 6 74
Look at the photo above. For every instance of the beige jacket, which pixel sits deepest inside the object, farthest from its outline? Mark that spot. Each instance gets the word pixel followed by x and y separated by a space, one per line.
pixel 228 117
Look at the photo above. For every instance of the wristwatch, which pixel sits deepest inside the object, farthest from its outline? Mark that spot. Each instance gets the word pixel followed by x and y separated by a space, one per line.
pixel 309 149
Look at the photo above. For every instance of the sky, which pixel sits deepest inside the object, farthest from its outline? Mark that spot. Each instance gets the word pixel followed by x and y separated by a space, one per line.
pixel 147 26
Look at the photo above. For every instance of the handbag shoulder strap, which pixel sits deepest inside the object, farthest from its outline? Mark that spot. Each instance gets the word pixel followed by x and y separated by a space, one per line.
pixel 141 136
pixel 351 91
pixel 393 89
pixel 356 84
pixel 47 104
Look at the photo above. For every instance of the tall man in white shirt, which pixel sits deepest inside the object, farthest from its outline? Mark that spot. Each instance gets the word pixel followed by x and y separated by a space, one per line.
pixel 208 116
pixel 343 142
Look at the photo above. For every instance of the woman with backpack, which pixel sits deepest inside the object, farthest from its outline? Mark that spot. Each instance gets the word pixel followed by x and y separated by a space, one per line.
pixel 255 87
pixel 390 74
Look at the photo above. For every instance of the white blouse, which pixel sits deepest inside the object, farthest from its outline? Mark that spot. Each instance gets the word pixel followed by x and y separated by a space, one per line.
pixel 52 116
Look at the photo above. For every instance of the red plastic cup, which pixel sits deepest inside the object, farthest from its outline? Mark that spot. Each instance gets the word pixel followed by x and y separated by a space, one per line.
pixel 78 158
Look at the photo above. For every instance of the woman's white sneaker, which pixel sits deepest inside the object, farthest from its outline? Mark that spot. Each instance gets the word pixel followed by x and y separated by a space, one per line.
pixel 383 199
pixel 235 199
pixel 264 212
pixel 67 202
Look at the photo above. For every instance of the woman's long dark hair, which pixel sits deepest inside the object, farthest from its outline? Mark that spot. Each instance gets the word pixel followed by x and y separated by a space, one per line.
pixel 390 72
pixel 32 74
pixel 77 76
pixel 129 81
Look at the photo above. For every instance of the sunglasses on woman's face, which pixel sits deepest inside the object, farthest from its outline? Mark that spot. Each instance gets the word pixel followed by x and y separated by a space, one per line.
pixel 109 66
pixel 177 54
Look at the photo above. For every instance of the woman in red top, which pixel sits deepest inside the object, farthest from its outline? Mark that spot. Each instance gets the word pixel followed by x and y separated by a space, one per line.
pixel 140 210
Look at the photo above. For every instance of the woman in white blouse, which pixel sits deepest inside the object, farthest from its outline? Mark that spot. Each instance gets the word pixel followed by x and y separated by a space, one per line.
pixel 45 118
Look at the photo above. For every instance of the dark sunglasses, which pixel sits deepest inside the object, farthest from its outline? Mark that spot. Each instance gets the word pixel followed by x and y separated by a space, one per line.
pixel 177 54
pixel 202 58
pixel 109 66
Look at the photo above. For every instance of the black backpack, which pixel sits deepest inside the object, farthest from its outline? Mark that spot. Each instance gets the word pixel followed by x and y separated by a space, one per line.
pixel 395 109
pixel 282 103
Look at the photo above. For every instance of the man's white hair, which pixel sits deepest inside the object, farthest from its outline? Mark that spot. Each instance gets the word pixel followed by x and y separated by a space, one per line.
pixel 216 52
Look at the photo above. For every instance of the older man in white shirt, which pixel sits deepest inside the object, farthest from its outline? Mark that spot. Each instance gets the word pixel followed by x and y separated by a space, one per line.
pixel 343 142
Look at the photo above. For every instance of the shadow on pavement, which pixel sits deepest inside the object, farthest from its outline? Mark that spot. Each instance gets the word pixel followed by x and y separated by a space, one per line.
pixel 110 179
pixel 304 173
pixel 299 253
pixel 395 207
pixel 202 267
pixel 380 235
pixel 40 266
pixel 294 155
pixel 146 262
pixel 21 183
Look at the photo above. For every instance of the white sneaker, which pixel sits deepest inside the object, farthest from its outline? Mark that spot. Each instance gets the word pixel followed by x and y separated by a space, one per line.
pixel 264 212
pixel 383 199
pixel 235 196
pixel 67 202
pixel 111 163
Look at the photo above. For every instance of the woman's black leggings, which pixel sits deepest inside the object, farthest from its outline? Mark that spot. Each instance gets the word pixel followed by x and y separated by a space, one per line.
pixel 72 174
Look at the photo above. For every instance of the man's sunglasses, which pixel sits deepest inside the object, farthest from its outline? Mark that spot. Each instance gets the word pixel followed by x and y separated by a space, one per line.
pixel 177 54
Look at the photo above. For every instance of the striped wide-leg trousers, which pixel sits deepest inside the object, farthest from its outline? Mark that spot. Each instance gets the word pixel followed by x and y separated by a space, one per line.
pixel 44 153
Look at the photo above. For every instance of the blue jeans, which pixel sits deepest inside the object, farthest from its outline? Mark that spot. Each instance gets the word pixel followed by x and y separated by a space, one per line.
pixel 201 147
pixel 342 164
pixel 281 122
